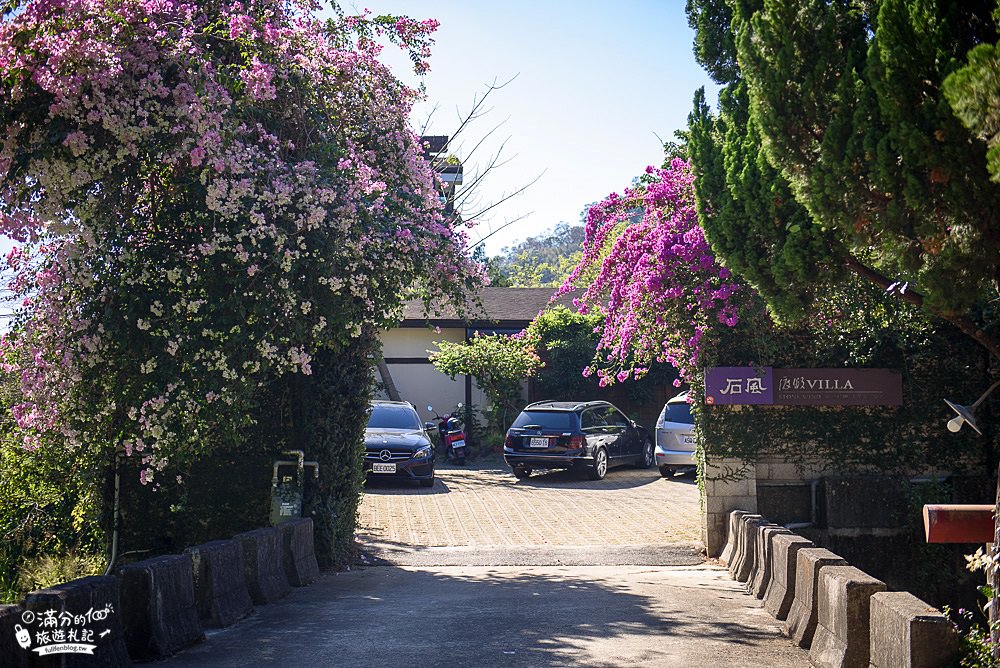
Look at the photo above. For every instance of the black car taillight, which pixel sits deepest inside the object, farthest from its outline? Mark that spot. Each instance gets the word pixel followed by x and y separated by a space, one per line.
pixel 508 442
pixel 576 442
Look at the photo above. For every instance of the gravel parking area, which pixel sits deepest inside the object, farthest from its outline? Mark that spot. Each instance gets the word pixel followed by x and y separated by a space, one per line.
pixel 489 507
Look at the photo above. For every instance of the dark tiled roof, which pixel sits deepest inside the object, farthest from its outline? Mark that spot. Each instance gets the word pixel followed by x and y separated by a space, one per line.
pixel 507 305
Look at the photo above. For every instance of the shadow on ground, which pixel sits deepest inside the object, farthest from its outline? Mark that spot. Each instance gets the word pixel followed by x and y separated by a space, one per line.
pixel 500 617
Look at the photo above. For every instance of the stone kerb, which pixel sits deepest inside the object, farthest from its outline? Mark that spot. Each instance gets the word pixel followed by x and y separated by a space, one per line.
pixel 263 565
pixel 731 536
pixel 743 555
pixel 158 607
pixel 13 654
pixel 219 584
pixel 842 629
pixel 299 553
pixel 905 631
pixel 96 595
pixel 781 589
pixel 802 616
pixel 763 562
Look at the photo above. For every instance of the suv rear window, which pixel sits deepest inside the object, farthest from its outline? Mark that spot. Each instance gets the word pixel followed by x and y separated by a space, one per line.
pixel 678 412
pixel 546 420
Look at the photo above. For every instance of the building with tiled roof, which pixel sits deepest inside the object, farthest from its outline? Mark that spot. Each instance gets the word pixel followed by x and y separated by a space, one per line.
pixel 405 348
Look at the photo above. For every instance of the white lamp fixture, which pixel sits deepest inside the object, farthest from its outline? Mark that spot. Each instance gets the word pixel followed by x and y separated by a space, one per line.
pixel 967 414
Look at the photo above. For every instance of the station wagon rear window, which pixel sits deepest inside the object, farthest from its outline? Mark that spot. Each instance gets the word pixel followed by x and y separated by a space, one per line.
pixel 546 420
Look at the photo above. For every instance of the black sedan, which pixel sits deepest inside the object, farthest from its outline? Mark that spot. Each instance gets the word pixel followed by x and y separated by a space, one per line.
pixel 592 436
pixel 396 445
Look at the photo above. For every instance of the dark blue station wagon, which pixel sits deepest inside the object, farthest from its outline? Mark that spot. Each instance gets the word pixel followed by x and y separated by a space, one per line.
pixel 591 436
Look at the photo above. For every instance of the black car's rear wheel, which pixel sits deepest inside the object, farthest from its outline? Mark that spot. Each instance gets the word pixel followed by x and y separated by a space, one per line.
pixel 600 467
pixel 646 458
pixel 521 472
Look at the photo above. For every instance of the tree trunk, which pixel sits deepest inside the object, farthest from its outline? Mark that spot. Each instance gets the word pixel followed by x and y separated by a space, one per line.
pixel 390 385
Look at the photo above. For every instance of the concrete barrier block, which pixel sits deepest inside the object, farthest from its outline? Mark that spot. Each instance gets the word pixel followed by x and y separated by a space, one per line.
pixel 842 625
pixel 803 615
pixel 781 589
pixel 263 565
pixel 763 567
pixel 299 553
pixel 91 608
pixel 905 631
pixel 743 558
pixel 220 587
pixel 727 553
pixel 159 611
pixel 11 624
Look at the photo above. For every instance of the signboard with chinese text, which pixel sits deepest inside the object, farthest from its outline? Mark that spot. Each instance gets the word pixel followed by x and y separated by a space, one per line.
pixel 803 387
pixel 738 385
pixel 838 387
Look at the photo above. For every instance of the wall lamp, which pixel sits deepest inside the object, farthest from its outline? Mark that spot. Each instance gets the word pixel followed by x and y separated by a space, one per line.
pixel 968 413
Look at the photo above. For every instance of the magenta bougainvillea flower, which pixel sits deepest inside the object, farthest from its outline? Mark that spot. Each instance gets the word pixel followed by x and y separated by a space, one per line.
pixel 648 269
pixel 205 194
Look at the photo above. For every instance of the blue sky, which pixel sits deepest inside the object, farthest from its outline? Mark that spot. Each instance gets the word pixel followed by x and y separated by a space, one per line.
pixel 596 83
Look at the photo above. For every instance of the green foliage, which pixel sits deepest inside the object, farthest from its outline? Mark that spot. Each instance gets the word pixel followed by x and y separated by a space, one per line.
pixel 749 215
pixel 543 261
pixel 50 570
pixel 229 491
pixel 498 363
pixel 567 341
pixel 974 94
pixel 975 646
pixel 50 502
pixel 858 326
pixel 839 106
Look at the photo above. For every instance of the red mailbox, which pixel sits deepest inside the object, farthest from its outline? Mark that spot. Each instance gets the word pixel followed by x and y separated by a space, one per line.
pixel 959 523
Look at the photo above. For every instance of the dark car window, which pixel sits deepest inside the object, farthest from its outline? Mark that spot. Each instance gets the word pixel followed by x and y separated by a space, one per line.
pixel 590 419
pixel 614 417
pixel 546 420
pixel 679 412
pixel 385 416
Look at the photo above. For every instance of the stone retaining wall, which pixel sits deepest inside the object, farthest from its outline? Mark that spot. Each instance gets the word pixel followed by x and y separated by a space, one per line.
pixel 842 615
pixel 155 608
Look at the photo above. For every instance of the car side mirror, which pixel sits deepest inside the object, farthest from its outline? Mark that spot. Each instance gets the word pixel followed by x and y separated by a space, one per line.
pixel 428 426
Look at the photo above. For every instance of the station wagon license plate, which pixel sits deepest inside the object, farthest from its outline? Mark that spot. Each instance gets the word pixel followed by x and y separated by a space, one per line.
pixel 383 468
pixel 687 440
pixel 538 443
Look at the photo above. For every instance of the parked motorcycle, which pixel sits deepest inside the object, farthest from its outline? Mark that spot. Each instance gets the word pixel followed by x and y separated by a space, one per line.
pixel 451 435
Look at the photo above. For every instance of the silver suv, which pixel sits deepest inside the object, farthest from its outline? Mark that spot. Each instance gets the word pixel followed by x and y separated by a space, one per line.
pixel 675 444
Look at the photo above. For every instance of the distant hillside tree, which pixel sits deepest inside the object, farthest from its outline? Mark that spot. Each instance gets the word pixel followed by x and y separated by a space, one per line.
pixel 545 260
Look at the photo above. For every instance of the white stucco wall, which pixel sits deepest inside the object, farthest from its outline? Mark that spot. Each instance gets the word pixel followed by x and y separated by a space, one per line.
pixel 422 384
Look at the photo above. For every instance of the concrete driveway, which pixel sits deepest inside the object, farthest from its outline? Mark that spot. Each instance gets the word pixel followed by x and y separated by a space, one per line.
pixel 486 570
pixel 486 617
pixel 489 507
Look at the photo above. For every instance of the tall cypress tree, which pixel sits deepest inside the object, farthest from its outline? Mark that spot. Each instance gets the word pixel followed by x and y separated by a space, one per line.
pixel 839 106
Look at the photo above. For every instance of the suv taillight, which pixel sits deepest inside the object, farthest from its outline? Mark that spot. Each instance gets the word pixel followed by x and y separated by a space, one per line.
pixel 508 442
pixel 576 442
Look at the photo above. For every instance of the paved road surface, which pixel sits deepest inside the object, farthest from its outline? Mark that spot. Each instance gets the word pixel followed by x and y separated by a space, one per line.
pixel 485 570
pixel 490 507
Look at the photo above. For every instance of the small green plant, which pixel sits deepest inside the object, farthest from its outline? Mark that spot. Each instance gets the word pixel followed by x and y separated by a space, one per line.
pixel 975 642
pixel 977 648
pixel 50 570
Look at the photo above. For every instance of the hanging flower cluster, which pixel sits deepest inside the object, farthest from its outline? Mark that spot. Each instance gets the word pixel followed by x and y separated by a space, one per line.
pixel 206 193
pixel 648 269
